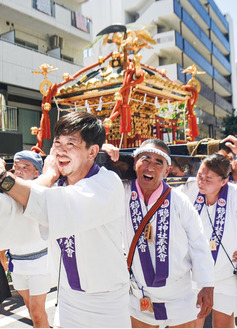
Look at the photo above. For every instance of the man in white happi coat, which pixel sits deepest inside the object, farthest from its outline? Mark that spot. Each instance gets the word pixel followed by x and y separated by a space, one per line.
pixel 219 219
pixel 83 214
pixel 175 253
pixel 27 250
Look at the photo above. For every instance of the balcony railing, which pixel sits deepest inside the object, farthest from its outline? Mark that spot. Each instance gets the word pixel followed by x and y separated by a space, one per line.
pixel 8 118
pixel 197 30
pixel 219 14
pixel 180 74
pixel 221 58
pixel 220 35
pixel 222 80
pixel 198 58
pixel 44 6
pixel 201 11
pixel 177 9
pixel 52 8
pixel 80 22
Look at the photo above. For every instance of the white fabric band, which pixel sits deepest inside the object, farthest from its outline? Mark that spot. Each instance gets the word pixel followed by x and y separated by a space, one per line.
pixel 152 150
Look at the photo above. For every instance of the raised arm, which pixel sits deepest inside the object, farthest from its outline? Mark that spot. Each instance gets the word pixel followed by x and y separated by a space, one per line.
pixel 20 191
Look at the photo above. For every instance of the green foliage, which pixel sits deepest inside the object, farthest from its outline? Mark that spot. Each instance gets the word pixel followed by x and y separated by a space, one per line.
pixel 176 112
pixel 9 277
pixel 230 124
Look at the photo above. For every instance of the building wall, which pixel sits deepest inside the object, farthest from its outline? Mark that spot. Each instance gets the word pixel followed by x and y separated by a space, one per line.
pixel 30 37
pixel 233 63
pixel 103 13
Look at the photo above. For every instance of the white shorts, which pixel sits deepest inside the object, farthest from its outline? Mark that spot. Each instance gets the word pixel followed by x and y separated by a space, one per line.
pixel 185 310
pixel 225 304
pixel 78 309
pixel 36 284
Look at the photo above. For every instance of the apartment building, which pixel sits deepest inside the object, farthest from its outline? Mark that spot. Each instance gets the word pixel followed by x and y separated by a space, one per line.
pixel 186 32
pixel 34 32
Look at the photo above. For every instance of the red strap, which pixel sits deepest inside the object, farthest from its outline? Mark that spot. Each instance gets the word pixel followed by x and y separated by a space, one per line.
pixel 141 227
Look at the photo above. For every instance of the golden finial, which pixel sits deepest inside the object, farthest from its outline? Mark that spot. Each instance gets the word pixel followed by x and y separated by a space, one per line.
pixel 193 82
pixel 193 70
pixel 137 40
pixel 45 69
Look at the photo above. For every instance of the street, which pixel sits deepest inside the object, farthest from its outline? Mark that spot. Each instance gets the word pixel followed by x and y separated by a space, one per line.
pixel 14 314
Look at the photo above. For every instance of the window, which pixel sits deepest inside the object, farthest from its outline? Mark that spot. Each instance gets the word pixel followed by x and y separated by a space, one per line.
pixel 8 116
pixel 67 58
pixel 26 44
pixel 28 119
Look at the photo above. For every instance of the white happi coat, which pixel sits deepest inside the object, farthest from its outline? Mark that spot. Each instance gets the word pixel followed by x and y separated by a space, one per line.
pixel 22 236
pixel 188 249
pixel 225 280
pixel 92 210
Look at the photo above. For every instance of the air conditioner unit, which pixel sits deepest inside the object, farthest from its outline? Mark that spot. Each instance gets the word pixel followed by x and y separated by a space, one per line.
pixel 53 41
pixel 61 42
pixel 56 41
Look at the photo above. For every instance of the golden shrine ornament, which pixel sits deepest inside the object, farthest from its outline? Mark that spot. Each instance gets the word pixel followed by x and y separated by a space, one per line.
pixel 44 86
pixel 107 123
pixel 47 107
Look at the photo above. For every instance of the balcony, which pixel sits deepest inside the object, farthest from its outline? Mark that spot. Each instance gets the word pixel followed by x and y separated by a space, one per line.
pixel 18 62
pixel 158 12
pixel 135 5
pixel 213 103
pixel 220 39
pixel 61 21
pixel 201 17
pixel 8 118
pixel 199 40
pixel 208 99
pixel 221 83
pixel 222 107
pixel 177 9
pixel 180 74
pixel 207 93
pixel 196 30
pixel 171 45
pixel 191 29
pixel 218 17
pixel 221 62
pixel 198 58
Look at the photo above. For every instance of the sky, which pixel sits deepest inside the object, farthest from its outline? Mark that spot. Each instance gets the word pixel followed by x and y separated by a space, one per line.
pixel 230 7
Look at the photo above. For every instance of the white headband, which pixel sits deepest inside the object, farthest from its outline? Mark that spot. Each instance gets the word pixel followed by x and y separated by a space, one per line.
pixel 152 150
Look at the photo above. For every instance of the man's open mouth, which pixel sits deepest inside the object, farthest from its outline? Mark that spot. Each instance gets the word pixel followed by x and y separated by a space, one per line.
pixel 148 177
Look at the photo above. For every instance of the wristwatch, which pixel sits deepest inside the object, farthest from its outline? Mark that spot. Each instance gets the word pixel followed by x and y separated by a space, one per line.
pixel 7 183
pixel 2 173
